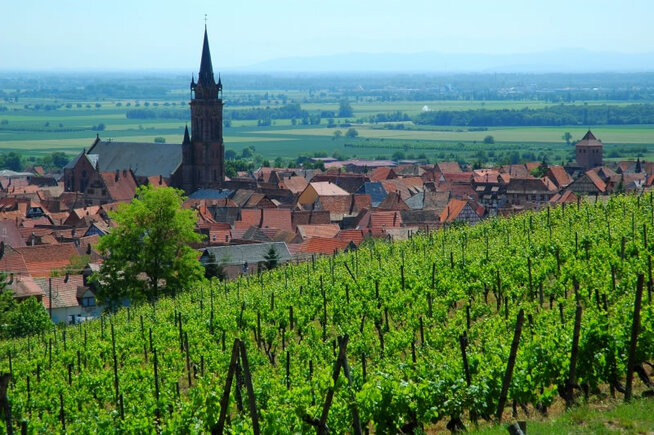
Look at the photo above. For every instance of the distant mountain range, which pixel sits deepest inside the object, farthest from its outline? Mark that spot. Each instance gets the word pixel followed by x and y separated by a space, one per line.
pixel 564 61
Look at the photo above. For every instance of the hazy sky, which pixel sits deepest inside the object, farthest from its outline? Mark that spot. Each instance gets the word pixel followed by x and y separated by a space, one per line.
pixel 167 34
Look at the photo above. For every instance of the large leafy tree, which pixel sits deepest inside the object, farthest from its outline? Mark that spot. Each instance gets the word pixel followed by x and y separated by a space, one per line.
pixel 148 254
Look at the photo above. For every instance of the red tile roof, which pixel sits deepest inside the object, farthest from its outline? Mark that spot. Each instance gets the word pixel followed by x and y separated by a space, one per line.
pixel 24 286
pixel 596 180
pixel 319 245
pixel 41 260
pixel 295 184
pixel 589 139
pixel 354 236
pixel 448 167
pixel 121 185
pixel 325 188
pixel 335 204
pixel 10 235
pixel 382 174
pixel 559 175
pixel 252 217
pixel 327 231
pixel 393 202
pixel 277 218
pixel 64 290
pixel 12 261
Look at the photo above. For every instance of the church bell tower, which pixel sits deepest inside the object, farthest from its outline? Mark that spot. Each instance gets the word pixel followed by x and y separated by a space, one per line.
pixel 203 151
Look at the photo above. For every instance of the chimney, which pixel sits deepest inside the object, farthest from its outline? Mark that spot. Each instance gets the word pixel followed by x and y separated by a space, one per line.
pixel 117 175
pixel 160 180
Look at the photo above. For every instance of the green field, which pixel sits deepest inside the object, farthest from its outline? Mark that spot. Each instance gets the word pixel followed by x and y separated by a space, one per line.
pixel 72 127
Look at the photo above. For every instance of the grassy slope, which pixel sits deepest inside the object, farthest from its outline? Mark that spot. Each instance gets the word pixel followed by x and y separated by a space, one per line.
pixel 596 418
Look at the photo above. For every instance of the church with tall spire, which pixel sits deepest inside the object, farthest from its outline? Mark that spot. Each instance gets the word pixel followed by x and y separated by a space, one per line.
pixel 197 163
pixel 203 151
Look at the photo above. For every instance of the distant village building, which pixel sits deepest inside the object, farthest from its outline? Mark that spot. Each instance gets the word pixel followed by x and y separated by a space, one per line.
pixel 589 151
pixel 196 163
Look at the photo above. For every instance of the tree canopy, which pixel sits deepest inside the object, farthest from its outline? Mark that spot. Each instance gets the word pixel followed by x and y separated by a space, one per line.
pixel 148 253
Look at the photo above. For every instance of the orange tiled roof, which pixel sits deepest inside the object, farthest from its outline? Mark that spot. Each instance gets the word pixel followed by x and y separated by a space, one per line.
pixel 295 184
pixel 596 180
pixel 121 185
pixel 43 259
pixel 354 236
pixel 319 245
pixel 559 175
pixel 393 202
pixel 589 139
pixel 382 174
pixel 327 231
pixel 277 218
pixel 325 188
pixel 12 261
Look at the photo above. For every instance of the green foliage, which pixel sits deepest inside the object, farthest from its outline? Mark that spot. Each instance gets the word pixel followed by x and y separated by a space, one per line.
pixel 27 318
pixel 213 269
pixel 159 139
pixel 351 133
pixel 20 319
pixel 147 254
pixel 401 320
pixel 345 109
pixel 489 139
pixel 12 160
pixel 272 258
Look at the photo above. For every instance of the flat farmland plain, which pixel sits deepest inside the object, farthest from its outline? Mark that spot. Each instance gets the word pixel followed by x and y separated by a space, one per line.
pixel 73 126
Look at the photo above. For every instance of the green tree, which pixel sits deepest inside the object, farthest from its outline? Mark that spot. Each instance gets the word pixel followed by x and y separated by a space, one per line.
pixel 337 134
pixel 214 269
pixel 489 140
pixel 148 253
pixel 27 318
pixel 344 109
pixel 12 160
pixel 567 137
pixel 272 258
pixel 247 153
pixel 351 133
pixel 230 155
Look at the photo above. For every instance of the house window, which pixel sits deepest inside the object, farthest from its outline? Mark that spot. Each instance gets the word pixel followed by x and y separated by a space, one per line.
pixel 88 302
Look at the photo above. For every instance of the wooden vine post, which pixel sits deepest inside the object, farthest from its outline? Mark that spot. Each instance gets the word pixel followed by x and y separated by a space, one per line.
pixel 239 355
pixel 509 367
pixel 570 382
pixel 634 338
pixel 341 363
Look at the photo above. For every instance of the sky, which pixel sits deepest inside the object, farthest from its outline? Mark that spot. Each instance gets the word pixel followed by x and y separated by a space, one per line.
pixel 167 34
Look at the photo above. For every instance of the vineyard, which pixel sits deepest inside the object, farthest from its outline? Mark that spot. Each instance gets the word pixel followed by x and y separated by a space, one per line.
pixel 448 328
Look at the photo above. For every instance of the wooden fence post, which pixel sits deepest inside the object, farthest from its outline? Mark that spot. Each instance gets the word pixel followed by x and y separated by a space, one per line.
pixel 509 367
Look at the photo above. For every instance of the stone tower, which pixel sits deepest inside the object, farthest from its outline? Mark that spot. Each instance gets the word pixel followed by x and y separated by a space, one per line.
pixel 589 151
pixel 203 151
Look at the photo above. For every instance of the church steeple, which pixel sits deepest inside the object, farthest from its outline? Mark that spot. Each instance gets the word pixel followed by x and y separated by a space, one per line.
pixel 205 78
pixel 202 150
pixel 187 138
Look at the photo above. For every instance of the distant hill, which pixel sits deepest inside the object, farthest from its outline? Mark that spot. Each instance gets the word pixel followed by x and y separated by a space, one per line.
pixel 564 61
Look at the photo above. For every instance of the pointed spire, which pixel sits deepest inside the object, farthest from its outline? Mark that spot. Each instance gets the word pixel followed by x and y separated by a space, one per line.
pixel 206 69
pixel 187 138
